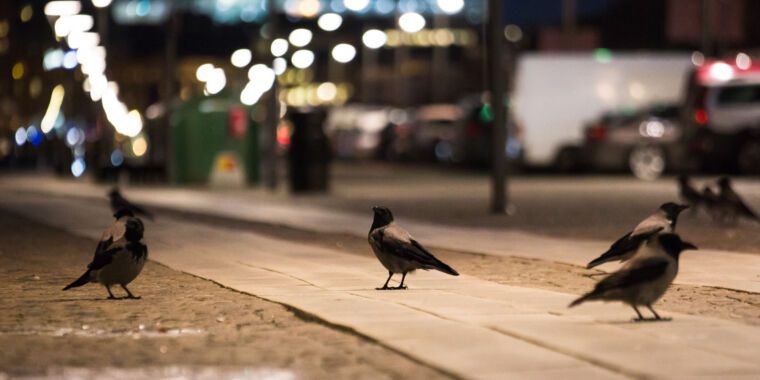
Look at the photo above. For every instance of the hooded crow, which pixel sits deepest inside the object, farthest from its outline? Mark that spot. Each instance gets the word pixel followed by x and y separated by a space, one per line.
pixel 688 193
pixel 118 202
pixel 644 278
pixel 732 204
pixel 662 221
pixel 119 257
pixel 398 251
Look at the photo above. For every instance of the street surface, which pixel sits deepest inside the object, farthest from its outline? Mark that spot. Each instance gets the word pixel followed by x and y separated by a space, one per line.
pixel 505 317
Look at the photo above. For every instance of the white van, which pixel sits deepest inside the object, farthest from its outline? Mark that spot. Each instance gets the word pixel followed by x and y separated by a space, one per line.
pixel 555 94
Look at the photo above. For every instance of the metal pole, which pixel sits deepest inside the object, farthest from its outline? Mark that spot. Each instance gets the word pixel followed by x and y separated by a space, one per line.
pixel 498 87
pixel 170 68
pixel 273 115
pixel 440 62
pixel 707 38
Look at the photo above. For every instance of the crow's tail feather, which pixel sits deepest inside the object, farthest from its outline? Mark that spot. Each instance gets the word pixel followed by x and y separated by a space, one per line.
pixel 82 280
pixel 441 266
pixel 580 300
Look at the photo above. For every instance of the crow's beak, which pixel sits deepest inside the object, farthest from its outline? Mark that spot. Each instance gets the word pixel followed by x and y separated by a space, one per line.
pixel 682 207
pixel 689 246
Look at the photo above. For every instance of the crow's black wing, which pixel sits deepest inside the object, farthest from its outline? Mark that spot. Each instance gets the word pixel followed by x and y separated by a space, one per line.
pixel 103 258
pixel 411 250
pixel 649 270
pixel 624 246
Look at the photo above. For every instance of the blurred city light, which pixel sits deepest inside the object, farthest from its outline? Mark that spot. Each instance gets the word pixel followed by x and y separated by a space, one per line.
pixel 18 70
pixel 66 25
pixel 62 8
pixel 139 146
pixel 513 33
pixel 743 61
pixel 204 71
pixel 26 13
pixel 309 8
pixel 279 65
pixel 70 60
pixel 241 57
pixel 33 135
pixel 74 137
pixel 450 6
pixel 697 58
pixel 78 167
pixel 77 40
pixel 117 157
pixel 721 71
pixel 101 3
pixel 302 58
pixel 343 53
pixel 279 47
pixel 216 81
pixel 54 107
pixel 411 22
pixel 250 94
pixel 52 59
pixel 330 21
pixel 374 38
pixel 356 5
pixel 20 136
pixel 603 55
pixel 300 37
pixel 327 91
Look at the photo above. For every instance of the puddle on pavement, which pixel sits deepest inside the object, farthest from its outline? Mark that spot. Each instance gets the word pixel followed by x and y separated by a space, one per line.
pixel 87 331
pixel 170 372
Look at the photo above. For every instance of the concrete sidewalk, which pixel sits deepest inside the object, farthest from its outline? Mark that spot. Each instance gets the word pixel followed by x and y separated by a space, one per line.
pixel 705 267
pixel 465 326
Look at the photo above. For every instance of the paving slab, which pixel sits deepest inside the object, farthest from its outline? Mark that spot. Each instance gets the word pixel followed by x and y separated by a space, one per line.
pixel 465 326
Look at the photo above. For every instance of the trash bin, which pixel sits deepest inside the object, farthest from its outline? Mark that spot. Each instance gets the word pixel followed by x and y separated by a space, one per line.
pixel 309 151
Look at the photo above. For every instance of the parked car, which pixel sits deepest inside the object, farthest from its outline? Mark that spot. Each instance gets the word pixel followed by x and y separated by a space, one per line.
pixel 646 142
pixel 722 116
pixel 359 131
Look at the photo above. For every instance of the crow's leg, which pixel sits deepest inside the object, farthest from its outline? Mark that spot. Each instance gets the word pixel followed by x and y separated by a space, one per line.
pixel 656 316
pixel 129 294
pixel 401 286
pixel 385 286
pixel 110 295
pixel 641 317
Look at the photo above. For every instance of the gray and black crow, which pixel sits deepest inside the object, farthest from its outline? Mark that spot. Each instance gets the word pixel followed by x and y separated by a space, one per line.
pixel 119 257
pixel 644 278
pixel 398 251
pixel 732 204
pixel 688 193
pixel 662 221
pixel 118 202
pixel 712 205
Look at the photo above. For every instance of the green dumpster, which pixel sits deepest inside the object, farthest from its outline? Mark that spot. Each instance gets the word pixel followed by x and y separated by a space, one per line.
pixel 215 141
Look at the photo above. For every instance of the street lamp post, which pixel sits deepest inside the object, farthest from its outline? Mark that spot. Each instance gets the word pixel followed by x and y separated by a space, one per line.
pixel 499 129
pixel 273 114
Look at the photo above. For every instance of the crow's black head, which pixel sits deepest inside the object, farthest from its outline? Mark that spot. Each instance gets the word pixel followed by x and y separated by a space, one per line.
pixel 135 230
pixel 383 216
pixel 114 192
pixel 673 209
pixel 673 245
pixel 683 179
pixel 122 212
pixel 724 182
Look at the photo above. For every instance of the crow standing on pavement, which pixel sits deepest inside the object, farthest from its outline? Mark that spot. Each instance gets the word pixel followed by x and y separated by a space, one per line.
pixel 688 193
pixel 662 221
pixel 644 278
pixel 732 204
pixel 119 257
pixel 398 251
pixel 118 202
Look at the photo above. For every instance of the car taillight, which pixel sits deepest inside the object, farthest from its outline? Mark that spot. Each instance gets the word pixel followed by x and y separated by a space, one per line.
pixel 700 116
pixel 597 132
pixel 473 130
